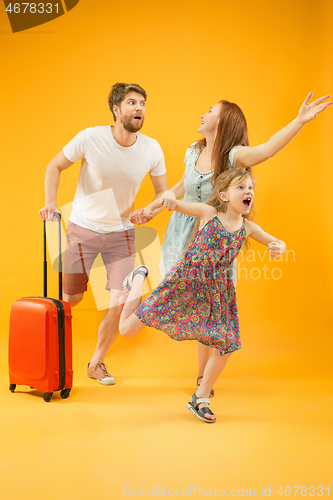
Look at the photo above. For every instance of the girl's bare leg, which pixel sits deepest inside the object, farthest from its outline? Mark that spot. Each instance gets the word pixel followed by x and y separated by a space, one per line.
pixel 129 324
pixel 213 370
pixel 204 353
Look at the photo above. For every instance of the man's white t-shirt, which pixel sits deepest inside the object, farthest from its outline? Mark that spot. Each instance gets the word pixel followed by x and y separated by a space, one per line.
pixel 110 177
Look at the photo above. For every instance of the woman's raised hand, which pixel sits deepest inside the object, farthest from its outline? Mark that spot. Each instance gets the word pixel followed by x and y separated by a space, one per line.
pixel 168 200
pixel 308 111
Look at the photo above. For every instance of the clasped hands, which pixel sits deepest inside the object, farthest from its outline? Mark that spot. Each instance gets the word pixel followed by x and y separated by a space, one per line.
pixel 143 215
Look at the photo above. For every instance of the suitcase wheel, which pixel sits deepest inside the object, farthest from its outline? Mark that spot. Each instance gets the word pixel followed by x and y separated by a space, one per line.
pixel 65 393
pixel 12 387
pixel 47 396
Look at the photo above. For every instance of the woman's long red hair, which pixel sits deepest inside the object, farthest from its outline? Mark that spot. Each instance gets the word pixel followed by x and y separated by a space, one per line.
pixel 231 131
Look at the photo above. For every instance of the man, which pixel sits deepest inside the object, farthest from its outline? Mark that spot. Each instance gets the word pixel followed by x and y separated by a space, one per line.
pixel 115 159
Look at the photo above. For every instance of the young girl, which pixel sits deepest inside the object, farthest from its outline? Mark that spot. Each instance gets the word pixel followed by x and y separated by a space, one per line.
pixel 196 300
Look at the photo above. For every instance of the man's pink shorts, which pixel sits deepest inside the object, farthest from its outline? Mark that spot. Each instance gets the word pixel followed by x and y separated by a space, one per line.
pixel 83 246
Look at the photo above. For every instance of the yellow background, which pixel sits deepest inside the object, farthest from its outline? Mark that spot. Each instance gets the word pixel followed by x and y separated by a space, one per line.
pixel 273 403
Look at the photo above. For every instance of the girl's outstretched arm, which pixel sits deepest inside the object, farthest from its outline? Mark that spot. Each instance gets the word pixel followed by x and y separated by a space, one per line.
pixel 248 156
pixel 275 247
pixel 196 209
pixel 205 212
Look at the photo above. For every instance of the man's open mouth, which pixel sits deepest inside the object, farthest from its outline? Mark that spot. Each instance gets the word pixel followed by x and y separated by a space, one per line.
pixel 138 118
pixel 247 201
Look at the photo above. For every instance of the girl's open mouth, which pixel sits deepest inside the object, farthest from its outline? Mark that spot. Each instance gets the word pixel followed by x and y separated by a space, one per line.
pixel 247 201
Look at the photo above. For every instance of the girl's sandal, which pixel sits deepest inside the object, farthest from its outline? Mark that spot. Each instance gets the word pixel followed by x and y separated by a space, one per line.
pixel 128 281
pixel 212 392
pixel 200 412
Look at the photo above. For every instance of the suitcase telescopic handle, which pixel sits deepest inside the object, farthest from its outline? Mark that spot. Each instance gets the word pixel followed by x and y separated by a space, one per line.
pixel 56 215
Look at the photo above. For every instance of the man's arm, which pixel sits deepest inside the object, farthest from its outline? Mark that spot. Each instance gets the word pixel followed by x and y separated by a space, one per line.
pixel 168 200
pixel 52 179
pixel 160 183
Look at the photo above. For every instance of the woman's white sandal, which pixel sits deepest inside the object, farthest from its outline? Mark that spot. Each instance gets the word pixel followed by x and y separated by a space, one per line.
pixel 200 412
pixel 126 285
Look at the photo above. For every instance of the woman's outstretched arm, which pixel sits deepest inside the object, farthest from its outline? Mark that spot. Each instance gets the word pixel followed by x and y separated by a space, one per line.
pixel 249 156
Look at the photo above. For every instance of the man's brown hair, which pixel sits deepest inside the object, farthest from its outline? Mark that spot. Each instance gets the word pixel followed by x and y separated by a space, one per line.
pixel 119 91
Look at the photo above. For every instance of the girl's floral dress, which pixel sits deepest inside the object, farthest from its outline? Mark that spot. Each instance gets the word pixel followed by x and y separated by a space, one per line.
pixel 196 300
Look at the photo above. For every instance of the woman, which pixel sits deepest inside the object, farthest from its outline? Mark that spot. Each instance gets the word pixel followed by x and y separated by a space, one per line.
pixel 225 145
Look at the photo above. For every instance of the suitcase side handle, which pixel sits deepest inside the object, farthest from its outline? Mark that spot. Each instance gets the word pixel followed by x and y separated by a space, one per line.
pixel 57 215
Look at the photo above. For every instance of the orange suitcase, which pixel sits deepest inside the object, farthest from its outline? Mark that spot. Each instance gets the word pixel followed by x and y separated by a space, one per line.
pixel 40 340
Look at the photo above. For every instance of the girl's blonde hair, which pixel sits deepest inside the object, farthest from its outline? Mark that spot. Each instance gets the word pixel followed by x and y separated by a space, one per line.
pixel 222 183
